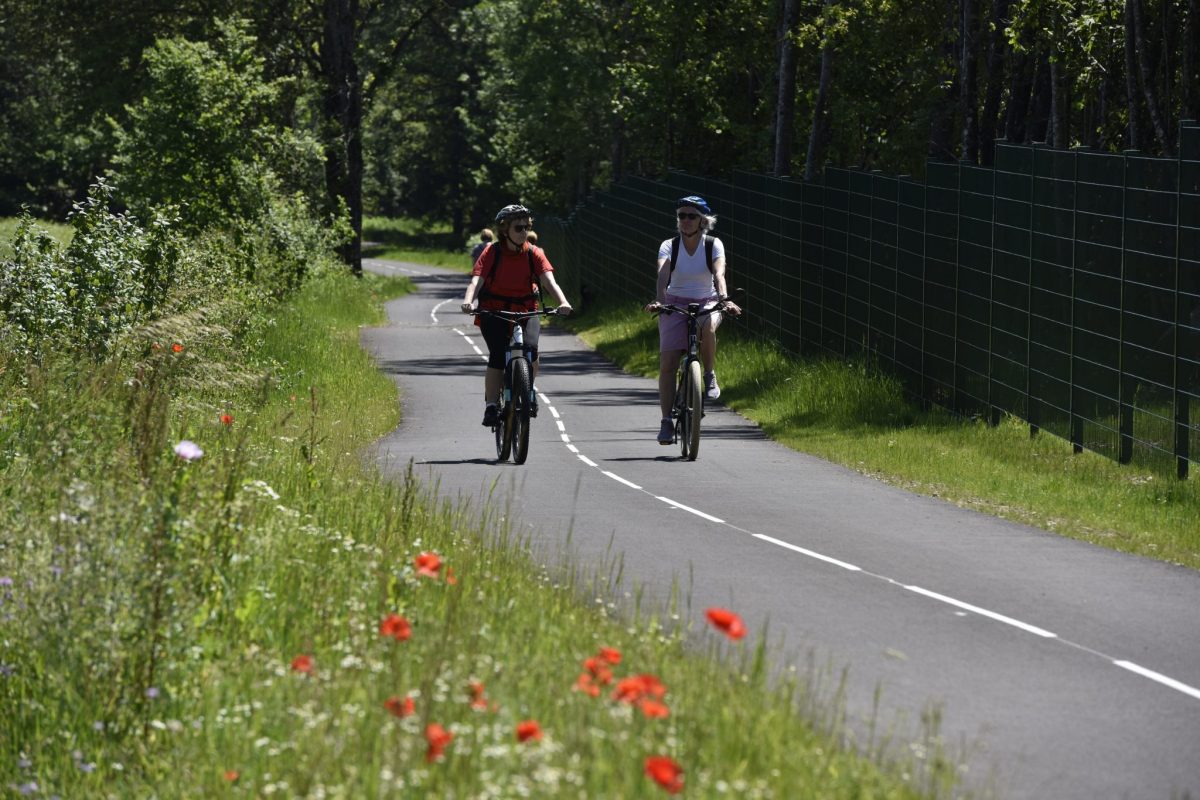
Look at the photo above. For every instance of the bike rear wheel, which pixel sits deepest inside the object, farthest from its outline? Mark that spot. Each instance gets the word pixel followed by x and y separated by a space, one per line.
pixel 689 435
pixel 521 384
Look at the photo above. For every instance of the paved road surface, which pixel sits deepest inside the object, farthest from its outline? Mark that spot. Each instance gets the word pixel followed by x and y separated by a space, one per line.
pixel 1071 671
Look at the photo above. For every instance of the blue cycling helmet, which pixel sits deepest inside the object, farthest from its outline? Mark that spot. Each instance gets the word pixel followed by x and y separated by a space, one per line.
pixel 694 201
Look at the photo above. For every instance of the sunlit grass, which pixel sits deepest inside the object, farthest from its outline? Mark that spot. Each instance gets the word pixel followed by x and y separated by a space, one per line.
pixel 59 231
pixel 165 604
pixel 850 414
pixel 415 242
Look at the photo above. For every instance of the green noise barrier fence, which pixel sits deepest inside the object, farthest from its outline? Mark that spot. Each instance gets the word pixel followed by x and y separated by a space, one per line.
pixel 1060 286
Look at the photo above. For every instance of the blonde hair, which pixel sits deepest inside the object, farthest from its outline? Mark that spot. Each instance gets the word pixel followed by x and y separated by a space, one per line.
pixel 486 235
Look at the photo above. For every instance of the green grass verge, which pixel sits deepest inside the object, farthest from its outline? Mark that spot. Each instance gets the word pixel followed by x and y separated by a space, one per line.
pixel 213 627
pixel 8 227
pixel 415 242
pixel 850 415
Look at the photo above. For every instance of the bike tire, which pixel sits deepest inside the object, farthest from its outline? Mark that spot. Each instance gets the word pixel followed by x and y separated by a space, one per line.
pixel 693 410
pixel 503 429
pixel 520 414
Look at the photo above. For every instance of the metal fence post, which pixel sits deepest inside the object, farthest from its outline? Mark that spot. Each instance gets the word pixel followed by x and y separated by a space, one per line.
pixel 1182 422
pixel 1124 401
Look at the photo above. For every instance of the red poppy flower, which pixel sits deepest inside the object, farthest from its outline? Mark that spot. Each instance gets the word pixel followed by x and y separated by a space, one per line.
pixel 635 687
pixel 302 663
pixel 232 775
pixel 226 419
pixel 428 564
pixel 727 622
pixel 477 699
pixel 584 683
pixel 395 626
pixel 654 709
pixel 665 772
pixel 437 737
pixel 529 729
pixel 177 348
pixel 599 670
pixel 400 707
pixel 610 654
pixel 450 579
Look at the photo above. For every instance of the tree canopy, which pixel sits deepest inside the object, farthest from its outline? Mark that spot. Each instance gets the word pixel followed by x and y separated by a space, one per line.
pixel 447 108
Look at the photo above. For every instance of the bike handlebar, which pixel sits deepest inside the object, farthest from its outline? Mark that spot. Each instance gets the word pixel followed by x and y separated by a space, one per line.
pixel 668 308
pixel 513 315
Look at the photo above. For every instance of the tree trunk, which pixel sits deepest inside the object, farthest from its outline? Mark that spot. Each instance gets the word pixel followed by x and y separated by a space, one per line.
pixel 1016 114
pixel 968 77
pixel 941 123
pixel 785 104
pixel 1060 105
pixel 1146 75
pixel 819 134
pixel 995 84
pixel 1133 107
pixel 1190 68
pixel 343 114
pixel 1038 122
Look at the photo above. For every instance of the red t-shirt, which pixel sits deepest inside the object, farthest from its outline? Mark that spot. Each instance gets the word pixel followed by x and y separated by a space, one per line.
pixel 512 279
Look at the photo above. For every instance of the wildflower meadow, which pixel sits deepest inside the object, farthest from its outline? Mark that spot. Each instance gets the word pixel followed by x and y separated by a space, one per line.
pixel 206 591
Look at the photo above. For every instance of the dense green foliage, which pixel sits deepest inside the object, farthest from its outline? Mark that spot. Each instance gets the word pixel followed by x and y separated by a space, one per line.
pixel 446 111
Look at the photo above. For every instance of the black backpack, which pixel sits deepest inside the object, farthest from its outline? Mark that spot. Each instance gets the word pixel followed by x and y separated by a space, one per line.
pixel 708 252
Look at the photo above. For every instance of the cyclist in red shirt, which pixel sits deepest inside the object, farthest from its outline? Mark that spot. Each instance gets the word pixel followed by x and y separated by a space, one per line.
pixel 508 282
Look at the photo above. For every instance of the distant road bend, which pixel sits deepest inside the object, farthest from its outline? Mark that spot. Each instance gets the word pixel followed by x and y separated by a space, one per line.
pixel 1074 671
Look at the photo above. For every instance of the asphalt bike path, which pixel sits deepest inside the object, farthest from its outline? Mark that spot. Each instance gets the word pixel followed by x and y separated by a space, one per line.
pixel 1060 669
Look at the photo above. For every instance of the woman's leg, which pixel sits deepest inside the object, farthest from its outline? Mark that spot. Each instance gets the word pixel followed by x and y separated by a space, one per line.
pixel 708 342
pixel 668 365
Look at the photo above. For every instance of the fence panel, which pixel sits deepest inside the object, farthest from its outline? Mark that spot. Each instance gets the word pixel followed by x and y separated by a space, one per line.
pixel 1059 286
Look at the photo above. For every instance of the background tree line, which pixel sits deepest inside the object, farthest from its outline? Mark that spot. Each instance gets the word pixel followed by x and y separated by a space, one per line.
pixel 447 108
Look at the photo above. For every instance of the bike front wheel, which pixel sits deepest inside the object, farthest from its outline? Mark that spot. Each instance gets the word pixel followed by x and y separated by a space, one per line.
pixel 693 399
pixel 521 386
pixel 503 431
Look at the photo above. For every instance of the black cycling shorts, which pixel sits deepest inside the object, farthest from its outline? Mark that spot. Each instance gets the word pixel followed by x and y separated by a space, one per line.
pixel 495 333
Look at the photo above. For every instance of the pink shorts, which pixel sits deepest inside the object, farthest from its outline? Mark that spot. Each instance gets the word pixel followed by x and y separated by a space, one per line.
pixel 672 328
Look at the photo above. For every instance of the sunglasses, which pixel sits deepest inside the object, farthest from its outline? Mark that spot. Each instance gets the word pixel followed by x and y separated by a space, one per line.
pixel 519 228
pixel 688 215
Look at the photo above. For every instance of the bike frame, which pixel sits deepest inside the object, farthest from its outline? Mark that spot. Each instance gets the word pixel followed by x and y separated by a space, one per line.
pixel 688 408
pixel 512 431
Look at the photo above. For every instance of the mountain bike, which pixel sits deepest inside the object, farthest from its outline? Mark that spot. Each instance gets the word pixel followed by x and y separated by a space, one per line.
pixel 512 429
pixel 688 408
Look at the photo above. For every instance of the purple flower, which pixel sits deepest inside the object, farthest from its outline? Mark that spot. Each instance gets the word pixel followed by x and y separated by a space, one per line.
pixel 28 788
pixel 188 450
pixel 7 670
pixel 56 570
pixel 152 692
pixel 5 580
pixel 24 763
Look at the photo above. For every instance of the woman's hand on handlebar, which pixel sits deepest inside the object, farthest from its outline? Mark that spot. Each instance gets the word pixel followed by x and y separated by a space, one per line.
pixel 731 307
pixel 564 310
pixel 653 307
pixel 467 308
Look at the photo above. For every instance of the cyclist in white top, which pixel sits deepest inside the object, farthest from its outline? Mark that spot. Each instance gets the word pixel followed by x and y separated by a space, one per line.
pixel 691 279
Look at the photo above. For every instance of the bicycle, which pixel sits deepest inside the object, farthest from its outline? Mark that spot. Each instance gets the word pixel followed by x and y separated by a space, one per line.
pixel 512 429
pixel 688 408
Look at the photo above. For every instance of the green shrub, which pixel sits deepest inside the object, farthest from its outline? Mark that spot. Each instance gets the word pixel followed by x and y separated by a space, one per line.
pixel 113 275
pixel 202 139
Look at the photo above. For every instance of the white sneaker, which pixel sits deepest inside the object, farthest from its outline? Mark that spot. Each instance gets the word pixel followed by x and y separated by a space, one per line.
pixel 711 390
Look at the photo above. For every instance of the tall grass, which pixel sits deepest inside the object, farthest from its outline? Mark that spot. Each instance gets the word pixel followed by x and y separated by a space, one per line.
pixel 222 624
pixel 855 415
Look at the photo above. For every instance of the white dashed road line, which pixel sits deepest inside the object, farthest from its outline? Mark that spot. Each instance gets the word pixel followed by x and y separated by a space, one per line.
pixel 941 598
